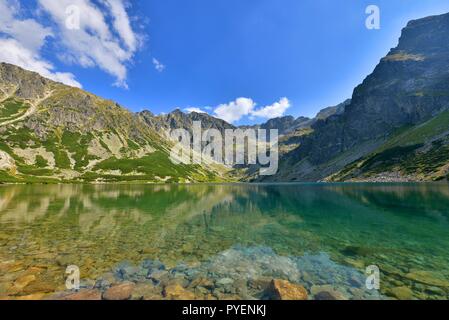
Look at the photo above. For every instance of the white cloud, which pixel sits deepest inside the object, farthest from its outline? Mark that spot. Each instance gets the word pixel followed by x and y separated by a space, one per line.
pixel 235 110
pixel 242 107
pixel 193 109
pixel 21 41
pixel 13 52
pixel 276 110
pixel 28 32
pixel 95 44
pixel 158 66
pixel 122 24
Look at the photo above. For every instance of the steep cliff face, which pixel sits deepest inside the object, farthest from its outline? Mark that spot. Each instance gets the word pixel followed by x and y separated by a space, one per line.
pixel 52 132
pixel 408 87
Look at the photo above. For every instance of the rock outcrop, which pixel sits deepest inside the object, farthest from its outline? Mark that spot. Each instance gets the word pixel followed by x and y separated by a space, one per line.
pixel 408 87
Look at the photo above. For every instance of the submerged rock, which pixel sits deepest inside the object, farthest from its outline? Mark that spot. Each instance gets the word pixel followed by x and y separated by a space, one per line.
pixel 127 272
pixel 32 297
pixel 177 292
pixel 22 282
pixel 202 282
pixel 284 290
pixel 85 294
pixel 427 277
pixel 401 293
pixel 153 265
pixel 327 292
pixel 119 292
pixel 146 291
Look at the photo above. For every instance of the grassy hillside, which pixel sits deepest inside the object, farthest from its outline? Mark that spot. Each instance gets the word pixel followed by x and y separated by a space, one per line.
pixel 413 153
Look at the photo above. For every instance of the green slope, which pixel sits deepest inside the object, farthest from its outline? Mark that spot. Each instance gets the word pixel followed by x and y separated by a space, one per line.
pixel 417 153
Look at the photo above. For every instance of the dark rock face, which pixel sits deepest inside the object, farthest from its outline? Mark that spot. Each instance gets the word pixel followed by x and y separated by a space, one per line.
pixel 330 111
pixel 409 86
pixel 24 84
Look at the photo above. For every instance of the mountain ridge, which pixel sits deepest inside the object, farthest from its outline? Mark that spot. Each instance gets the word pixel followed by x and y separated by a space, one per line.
pixel 51 132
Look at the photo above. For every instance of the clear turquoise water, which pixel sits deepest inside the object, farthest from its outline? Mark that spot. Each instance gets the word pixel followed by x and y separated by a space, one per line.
pixel 310 234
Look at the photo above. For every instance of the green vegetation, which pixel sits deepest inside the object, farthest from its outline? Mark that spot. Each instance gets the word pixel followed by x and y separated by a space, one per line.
pixel 33 171
pixel 385 160
pixel 23 138
pixel 421 133
pixel 78 145
pixel 428 162
pixel 53 145
pixel 12 107
pixel 418 150
pixel 132 145
pixel 5 147
pixel 41 162
pixel 6 178
pixel 155 164
pixel 104 145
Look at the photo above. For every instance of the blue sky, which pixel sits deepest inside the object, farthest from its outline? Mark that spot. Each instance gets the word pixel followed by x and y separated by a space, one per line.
pixel 242 60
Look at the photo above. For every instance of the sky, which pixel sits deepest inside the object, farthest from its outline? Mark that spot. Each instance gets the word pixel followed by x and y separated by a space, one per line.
pixel 244 61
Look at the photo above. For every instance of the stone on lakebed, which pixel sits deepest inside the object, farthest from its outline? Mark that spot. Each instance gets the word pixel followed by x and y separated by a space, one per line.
pixel 177 292
pixel 427 277
pixel 284 290
pixel 327 292
pixel 121 291
pixel 82 295
pixel 401 293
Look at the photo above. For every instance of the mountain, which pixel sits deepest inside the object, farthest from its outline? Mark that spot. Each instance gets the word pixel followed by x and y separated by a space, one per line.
pixel 51 132
pixel 180 120
pixel 406 96
pixel 331 111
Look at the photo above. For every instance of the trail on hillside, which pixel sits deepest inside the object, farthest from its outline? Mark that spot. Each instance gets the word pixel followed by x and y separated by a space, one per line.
pixel 34 105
